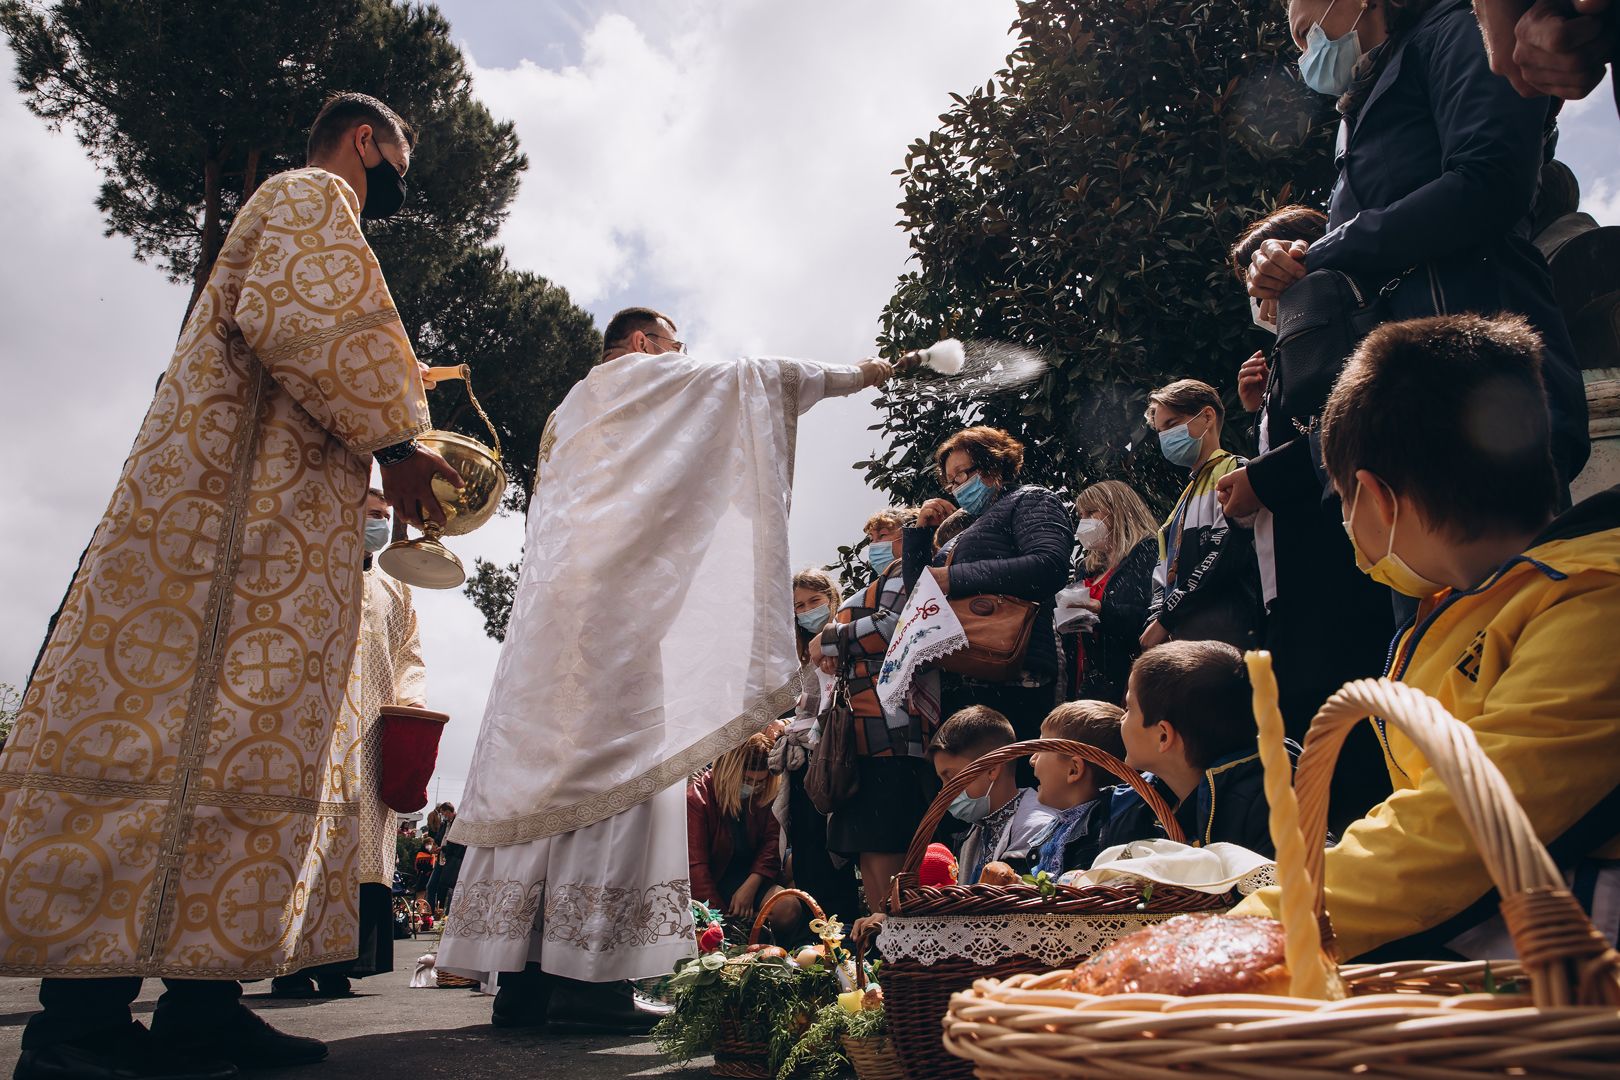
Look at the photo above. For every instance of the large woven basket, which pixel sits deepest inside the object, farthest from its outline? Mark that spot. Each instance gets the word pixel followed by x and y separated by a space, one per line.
pixel 738 1055
pixel 939 938
pixel 1408 1021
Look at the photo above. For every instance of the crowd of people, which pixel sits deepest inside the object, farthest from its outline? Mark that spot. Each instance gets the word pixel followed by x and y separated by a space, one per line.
pixel 1408 490
pixel 191 793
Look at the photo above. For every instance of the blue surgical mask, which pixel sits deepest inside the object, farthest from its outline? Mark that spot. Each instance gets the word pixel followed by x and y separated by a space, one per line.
pixel 879 554
pixel 1329 65
pixel 966 808
pixel 1179 447
pixel 814 619
pixel 378 532
pixel 974 495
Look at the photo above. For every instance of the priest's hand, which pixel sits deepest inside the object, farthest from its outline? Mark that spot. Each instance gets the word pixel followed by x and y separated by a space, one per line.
pixel 876 372
pixel 408 486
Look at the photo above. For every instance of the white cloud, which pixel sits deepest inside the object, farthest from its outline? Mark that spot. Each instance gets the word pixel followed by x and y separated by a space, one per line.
pixel 729 159
pixel 1603 202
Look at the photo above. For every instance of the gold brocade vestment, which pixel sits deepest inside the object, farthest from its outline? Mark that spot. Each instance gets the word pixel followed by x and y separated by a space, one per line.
pixel 161 794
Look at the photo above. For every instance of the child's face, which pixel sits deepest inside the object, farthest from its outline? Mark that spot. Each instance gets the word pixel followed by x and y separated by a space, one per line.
pixel 1141 741
pixel 947 765
pixel 1055 772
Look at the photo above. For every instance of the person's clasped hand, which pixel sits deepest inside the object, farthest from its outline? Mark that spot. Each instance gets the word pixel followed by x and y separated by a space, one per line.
pixel 934 512
pixel 742 902
pixel 1237 498
pixel 1275 266
pixel 1558 48
pixel 1251 386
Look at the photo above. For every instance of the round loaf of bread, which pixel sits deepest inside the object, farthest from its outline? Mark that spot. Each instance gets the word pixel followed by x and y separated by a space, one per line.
pixel 1191 955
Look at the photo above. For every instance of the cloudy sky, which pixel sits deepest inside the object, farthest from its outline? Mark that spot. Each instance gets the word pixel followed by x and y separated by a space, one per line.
pixel 726 160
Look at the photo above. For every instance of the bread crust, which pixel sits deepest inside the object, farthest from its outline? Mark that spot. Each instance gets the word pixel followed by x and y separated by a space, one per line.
pixel 1189 956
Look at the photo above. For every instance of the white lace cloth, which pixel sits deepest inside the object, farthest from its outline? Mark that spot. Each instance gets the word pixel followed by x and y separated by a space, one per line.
pixel 1054 940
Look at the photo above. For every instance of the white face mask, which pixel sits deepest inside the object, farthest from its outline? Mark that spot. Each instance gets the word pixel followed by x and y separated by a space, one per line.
pixel 1090 532
pixel 1258 319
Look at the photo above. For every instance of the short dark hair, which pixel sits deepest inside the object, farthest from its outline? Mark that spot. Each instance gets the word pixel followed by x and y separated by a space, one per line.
pixel 1449 411
pixel 991 450
pixel 631 319
pixel 1188 397
pixel 972 732
pixel 1285 223
pixel 1201 689
pixel 343 112
pixel 1095 723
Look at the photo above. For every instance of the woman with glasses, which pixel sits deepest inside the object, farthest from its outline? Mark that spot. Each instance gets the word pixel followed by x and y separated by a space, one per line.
pixel 1018 545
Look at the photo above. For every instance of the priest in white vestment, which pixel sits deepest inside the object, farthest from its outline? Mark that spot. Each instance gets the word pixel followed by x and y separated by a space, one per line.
pixel 651 632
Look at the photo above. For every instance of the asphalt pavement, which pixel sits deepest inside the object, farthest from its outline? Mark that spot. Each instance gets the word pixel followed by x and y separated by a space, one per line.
pixel 389 1031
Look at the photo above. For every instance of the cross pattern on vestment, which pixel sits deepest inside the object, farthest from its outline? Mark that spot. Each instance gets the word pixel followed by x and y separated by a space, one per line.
pixel 117 736
pixel 259 907
pixel 373 365
pixel 83 685
pixel 266 780
pixel 266 665
pixel 156 648
pixel 262 559
pixel 52 889
pixel 195 534
pixel 123 577
pixel 329 279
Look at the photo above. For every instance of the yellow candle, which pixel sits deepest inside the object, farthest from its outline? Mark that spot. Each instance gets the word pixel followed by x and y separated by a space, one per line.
pixel 1303 937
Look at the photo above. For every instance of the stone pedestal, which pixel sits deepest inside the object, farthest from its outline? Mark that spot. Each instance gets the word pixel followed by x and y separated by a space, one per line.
pixel 1603 408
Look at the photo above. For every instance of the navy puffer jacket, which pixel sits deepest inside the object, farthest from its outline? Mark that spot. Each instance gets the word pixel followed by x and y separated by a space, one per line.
pixel 1018 547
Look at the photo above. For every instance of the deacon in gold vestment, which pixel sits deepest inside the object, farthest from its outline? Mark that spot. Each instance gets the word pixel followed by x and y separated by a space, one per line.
pixel 162 791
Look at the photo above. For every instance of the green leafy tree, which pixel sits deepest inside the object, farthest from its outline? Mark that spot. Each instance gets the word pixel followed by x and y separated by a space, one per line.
pixel 187 105
pixel 1082 202
pixel 10 705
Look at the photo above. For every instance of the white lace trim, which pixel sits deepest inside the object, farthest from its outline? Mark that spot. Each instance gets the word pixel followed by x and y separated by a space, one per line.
pixel 1054 940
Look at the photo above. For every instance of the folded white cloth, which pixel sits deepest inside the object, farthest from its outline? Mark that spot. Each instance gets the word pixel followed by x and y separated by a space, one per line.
pixel 1215 868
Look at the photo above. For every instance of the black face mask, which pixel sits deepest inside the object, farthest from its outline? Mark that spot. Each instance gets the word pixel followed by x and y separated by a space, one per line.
pixel 385 191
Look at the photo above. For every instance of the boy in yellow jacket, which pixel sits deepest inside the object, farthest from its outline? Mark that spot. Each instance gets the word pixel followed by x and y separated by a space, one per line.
pixel 1436 437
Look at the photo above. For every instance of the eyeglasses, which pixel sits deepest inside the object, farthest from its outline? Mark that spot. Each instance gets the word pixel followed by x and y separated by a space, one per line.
pixel 954 482
pixel 678 346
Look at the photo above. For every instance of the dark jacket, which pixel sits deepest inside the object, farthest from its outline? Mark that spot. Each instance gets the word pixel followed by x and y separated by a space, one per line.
pixel 1229 807
pixel 1075 847
pixel 710 840
pixel 1018 547
pixel 1437 173
pixel 1114 645
pixel 1206 583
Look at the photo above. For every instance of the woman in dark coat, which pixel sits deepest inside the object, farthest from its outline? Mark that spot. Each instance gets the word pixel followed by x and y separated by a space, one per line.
pixel 1438 163
pixel 1121 545
pixel 1018 545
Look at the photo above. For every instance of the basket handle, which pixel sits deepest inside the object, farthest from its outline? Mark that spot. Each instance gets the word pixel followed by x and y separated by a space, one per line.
pixel 860 963
pixel 765 910
pixel 1568 961
pixel 1069 748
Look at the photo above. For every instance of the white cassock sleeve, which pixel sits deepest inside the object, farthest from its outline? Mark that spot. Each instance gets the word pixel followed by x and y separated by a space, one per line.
pixel 817 381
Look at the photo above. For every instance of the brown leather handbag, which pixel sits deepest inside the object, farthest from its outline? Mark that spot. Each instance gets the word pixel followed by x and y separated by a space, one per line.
pixel 998 631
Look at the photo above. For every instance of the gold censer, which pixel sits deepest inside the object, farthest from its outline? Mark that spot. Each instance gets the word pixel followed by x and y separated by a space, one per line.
pixel 425 562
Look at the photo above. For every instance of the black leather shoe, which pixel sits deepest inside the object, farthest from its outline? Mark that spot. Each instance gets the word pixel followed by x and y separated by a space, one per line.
pixel 132 1054
pixel 292 986
pixel 334 986
pixel 605 1007
pixel 522 1000
pixel 243 1039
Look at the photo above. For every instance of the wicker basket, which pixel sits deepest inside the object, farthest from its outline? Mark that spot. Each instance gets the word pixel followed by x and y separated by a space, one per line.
pixel 922 969
pixel 872 1057
pixel 737 1054
pixel 1406 1020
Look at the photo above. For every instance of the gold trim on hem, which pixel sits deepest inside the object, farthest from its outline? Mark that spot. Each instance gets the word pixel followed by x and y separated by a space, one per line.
pixel 94 787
